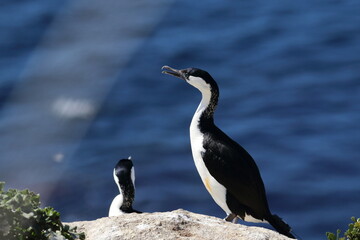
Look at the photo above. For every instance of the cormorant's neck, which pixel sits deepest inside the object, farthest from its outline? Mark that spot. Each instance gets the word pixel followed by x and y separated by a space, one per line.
pixel 128 193
pixel 207 106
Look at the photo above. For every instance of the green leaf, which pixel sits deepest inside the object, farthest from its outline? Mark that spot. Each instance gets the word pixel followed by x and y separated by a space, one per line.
pixel 330 236
pixel 22 218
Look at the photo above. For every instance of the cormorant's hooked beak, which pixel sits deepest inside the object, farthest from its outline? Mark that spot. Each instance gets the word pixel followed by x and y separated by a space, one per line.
pixel 173 72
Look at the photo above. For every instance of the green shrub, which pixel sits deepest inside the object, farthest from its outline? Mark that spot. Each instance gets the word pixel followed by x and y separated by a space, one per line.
pixel 22 218
pixel 353 233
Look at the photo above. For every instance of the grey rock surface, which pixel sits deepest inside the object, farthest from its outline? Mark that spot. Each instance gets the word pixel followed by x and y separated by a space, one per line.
pixel 178 224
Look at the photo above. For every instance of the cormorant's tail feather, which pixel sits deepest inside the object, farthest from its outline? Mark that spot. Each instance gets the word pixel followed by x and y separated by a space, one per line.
pixel 280 226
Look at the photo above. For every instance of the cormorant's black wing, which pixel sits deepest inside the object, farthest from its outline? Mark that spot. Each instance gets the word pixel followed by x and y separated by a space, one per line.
pixel 233 167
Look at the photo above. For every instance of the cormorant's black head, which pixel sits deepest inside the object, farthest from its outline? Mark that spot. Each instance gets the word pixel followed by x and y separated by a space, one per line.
pixel 198 78
pixel 124 173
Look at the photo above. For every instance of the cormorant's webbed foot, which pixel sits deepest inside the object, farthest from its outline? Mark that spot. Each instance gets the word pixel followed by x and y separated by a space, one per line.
pixel 231 218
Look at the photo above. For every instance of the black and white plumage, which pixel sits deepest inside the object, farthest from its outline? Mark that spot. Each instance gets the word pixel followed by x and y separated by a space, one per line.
pixel 227 170
pixel 124 176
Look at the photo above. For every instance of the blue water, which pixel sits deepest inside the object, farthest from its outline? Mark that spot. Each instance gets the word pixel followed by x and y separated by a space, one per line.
pixel 81 87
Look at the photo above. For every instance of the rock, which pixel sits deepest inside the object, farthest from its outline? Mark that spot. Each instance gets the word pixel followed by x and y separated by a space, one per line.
pixel 178 224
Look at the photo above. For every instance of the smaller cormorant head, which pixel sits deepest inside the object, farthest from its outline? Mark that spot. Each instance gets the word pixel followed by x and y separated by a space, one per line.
pixel 198 78
pixel 124 173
